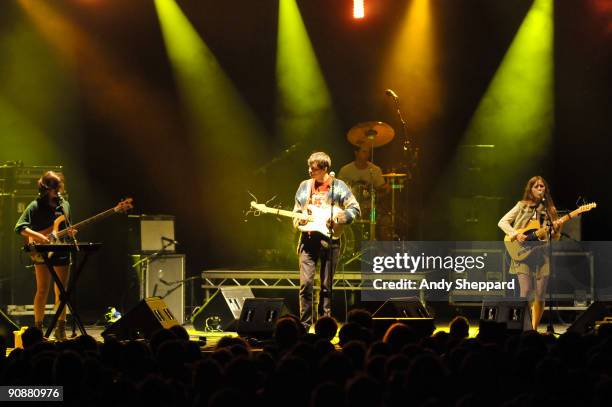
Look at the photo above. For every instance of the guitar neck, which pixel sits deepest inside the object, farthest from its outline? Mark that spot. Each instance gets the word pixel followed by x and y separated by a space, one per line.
pixel 572 214
pixel 283 212
pixel 86 222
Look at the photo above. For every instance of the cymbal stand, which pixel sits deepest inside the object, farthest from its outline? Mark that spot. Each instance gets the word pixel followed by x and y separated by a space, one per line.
pixel 372 199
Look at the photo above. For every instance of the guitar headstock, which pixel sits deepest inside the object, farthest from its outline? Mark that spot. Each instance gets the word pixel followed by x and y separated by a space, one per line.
pixel 586 207
pixel 124 206
pixel 259 207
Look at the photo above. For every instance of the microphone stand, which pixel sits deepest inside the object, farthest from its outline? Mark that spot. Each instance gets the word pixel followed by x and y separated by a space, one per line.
pixel 75 243
pixel 411 153
pixel 147 259
pixel 330 257
pixel 177 284
pixel 550 329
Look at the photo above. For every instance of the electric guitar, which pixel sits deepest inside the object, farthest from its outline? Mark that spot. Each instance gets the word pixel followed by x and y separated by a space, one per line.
pixel 316 218
pixel 536 234
pixel 54 234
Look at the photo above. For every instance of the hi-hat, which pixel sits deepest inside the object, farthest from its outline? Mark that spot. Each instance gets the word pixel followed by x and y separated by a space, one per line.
pixel 370 134
pixel 394 175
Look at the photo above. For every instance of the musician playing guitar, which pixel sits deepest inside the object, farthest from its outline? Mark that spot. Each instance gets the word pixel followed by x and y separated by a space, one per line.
pixel 314 196
pixel 532 272
pixel 39 215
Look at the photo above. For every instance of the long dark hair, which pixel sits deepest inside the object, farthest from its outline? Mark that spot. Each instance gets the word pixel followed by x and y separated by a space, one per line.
pixel 529 198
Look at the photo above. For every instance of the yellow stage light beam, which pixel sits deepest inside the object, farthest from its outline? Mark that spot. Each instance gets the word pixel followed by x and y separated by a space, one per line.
pixel 221 119
pixel 304 106
pixel 411 67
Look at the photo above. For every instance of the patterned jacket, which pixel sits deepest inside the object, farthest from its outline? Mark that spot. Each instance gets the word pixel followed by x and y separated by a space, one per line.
pixel 343 197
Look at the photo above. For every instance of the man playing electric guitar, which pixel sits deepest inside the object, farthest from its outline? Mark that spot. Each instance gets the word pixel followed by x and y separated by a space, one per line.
pixel 315 196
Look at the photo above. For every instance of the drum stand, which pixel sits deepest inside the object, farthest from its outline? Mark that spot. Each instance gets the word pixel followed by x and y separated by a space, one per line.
pixel 372 200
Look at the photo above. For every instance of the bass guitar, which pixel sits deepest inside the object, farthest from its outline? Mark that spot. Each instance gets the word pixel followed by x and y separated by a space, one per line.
pixel 54 234
pixel 537 234
pixel 316 218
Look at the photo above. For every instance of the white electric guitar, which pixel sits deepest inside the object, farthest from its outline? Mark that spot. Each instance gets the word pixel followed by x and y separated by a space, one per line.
pixel 316 218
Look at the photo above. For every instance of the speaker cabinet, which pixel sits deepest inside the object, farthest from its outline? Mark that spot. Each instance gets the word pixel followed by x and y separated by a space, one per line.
pixel 515 315
pixel 259 316
pixel 145 233
pixel 6 329
pixel 142 321
pixel 222 311
pixel 402 307
pixel 407 310
pixel 162 277
pixel 585 322
pixel 17 284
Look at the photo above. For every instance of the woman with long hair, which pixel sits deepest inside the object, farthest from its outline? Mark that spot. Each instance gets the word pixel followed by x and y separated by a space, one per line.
pixel 533 271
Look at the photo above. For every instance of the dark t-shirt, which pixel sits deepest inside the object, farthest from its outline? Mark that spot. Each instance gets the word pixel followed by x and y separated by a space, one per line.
pixel 40 215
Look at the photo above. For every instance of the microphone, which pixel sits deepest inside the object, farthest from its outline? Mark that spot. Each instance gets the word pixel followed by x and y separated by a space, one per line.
pixel 332 174
pixel 167 239
pixel 389 92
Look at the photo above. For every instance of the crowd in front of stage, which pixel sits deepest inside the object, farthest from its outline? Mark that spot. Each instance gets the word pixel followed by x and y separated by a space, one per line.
pixel 399 367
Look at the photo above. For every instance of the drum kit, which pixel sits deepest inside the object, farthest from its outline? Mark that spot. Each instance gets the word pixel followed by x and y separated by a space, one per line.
pixel 378 213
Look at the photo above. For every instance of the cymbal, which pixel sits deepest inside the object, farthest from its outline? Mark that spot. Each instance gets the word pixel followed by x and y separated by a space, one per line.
pixel 394 175
pixel 372 134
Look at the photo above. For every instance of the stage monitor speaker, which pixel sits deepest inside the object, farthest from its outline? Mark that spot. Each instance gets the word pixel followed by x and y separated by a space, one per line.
pixel 515 315
pixel 145 233
pixel 163 276
pixel 150 315
pixel 401 307
pixel 585 322
pixel 259 316
pixel 6 329
pixel 222 311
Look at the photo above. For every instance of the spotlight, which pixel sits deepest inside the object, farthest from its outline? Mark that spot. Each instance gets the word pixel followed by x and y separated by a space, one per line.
pixel 358 9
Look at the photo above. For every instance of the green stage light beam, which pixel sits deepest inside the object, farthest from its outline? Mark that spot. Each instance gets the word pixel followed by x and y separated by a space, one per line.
pixel 509 135
pixel 227 137
pixel 222 122
pixel 304 106
pixel 516 113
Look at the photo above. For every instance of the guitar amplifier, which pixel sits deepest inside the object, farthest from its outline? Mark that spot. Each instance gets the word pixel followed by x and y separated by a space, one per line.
pixel 17 283
pixel 21 179
pixel 162 276
pixel 145 233
pixel 572 229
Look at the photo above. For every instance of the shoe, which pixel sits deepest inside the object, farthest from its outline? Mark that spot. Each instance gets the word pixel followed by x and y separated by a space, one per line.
pixel 60 331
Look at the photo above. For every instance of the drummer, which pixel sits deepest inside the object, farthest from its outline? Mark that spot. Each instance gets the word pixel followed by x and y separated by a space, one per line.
pixel 362 172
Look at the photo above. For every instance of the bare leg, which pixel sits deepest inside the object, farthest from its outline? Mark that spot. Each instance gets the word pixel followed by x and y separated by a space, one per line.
pixel 43 279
